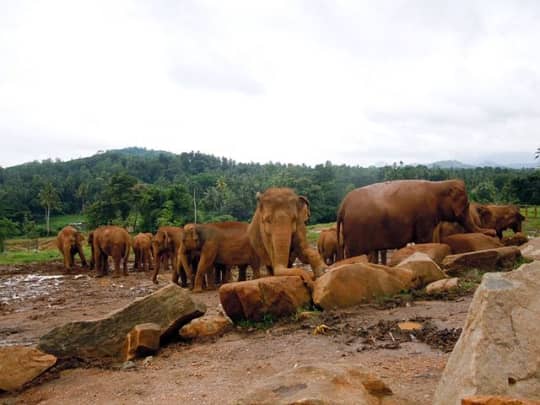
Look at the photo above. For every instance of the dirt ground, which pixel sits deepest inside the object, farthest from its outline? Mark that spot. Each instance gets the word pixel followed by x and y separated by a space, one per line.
pixel 36 298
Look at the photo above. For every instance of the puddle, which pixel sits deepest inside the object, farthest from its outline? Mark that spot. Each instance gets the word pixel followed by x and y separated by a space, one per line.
pixel 20 287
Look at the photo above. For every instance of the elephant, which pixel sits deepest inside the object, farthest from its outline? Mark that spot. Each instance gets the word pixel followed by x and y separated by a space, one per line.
pixel 142 247
pixel 219 244
pixel 391 214
pixel 498 217
pixel 278 230
pixel 114 241
pixel 445 229
pixel 69 241
pixel 167 243
pixel 327 245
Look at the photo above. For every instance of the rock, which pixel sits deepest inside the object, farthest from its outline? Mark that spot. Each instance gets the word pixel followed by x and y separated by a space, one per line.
pixel 436 252
pixel 531 249
pixel 516 239
pixel 275 296
pixel 104 339
pixel 206 326
pixel 20 364
pixel 128 365
pixel 408 326
pixel 354 284
pixel 424 269
pixel 350 260
pixel 497 353
pixel 490 259
pixel 443 285
pixel 142 340
pixel 321 384
pixel 471 242
pixel 496 400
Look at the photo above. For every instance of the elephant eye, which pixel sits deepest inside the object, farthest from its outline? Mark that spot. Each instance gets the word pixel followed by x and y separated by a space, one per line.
pixel 267 219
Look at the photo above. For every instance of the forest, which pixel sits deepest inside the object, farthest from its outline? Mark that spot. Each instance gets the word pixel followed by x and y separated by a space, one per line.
pixel 144 189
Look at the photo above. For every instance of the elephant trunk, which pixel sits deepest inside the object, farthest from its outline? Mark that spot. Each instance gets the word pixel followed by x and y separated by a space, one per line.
pixel 281 244
pixel 471 226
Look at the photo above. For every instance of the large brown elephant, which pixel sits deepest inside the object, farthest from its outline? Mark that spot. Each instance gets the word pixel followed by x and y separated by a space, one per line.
pixel 69 242
pixel 327 245
pixel 498 217
pixel 166 243
pixel 278 231
pixel 142 247
pixel 391 214
pixel 219 244
pixel 114 241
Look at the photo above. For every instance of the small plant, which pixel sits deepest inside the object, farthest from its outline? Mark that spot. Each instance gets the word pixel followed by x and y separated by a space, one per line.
pixel 265 323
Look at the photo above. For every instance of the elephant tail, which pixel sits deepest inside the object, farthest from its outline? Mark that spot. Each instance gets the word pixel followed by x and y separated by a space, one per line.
pixel 339 231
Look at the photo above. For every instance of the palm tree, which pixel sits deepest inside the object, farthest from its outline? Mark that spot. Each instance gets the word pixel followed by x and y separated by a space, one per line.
pixel 49 199
pixel 537 154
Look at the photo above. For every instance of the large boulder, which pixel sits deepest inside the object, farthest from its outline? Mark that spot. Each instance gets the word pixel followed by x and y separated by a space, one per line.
pixel 275 296
pixel 103 339
pixel 471 242
pixel 350 260
pixel 531 249
pixel 497 400
pixel 206 327
pixel 424 269
pixel 436 252
pixel 20 364
pixel 503 258
pixel 353 284
pixel 497 353
pixel 322 384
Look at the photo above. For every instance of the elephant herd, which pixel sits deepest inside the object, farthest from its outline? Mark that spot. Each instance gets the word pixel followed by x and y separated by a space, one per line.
pixel 371 219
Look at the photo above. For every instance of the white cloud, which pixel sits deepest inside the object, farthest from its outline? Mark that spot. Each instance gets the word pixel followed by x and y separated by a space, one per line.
pixel 348 81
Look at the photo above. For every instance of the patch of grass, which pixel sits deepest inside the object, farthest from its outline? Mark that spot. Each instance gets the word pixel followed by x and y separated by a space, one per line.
pixel 266 323
pixel 313 231
pixel 531 225
pixel 23 257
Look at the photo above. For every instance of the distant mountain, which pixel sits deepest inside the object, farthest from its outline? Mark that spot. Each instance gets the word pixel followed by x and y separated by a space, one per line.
pixel 450 164
pixel 455 164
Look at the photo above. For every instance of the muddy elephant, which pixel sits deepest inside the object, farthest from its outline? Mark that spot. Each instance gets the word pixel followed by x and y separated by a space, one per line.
pixel 327 245
pixel 166 244
pixel 391 214
pixel 114 241
pixel 220 245
pixel 142 248
pixel 445 229
pixel 498 217
pixel 69 242
pixel 278 230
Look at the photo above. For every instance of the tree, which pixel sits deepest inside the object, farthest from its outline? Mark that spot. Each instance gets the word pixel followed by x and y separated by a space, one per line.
pixel 49 199
pixel 7 228
pixel 537 154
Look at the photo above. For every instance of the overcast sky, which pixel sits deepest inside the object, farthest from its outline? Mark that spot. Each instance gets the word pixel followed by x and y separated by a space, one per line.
pixel 356 82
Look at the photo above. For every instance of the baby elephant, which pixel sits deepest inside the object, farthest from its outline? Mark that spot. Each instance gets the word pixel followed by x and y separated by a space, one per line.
pixel 69 241
pixel 142 247
pixel 111 241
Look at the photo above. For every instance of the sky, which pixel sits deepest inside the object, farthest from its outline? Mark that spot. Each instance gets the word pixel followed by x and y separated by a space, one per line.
pixel 354 82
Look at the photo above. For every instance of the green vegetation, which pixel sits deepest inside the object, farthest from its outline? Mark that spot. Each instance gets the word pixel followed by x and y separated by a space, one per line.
pixel 29 256
pixel 266 323
pixel 145 189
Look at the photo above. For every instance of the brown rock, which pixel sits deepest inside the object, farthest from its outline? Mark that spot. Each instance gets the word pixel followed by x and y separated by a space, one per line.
pixel 104 339
pixel 353 284
pixel 350 260
pixel 206 326
pixel 496 400
pixel 322 384
pixel 471 242
pixel 408 326
pixel 531 249
pixel 436 252
pixel 20 364
pixel 516 239
pixel 424 269
pixel 497 352
pixel 490 259
pixel 275 296
pixel 443 285
pixel 143 340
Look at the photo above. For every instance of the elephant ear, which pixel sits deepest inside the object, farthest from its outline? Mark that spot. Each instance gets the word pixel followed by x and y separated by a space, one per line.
pixel 303 211
pixel 458 198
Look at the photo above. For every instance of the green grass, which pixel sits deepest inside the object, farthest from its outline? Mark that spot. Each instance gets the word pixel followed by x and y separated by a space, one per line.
pixel 59 221
pixel 23 257
pixel 266 323
pixel 531 225
pixel 314 230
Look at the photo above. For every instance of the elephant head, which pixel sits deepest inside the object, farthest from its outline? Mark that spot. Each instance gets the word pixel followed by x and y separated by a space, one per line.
pixel 280 217
pixel 190 237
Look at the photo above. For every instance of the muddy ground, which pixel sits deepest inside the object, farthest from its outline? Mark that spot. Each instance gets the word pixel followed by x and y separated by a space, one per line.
pixel 36 298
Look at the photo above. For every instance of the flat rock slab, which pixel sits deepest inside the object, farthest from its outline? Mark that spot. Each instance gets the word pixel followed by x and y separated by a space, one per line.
pixel 502 258
pixel 497 353
pixel 353 284
pixel 322 384
pixel 103 339
pixel 436 252
pixel 20 364
pixel 497 400
pixel 531 249
pixel 206 327
pixel 447 284
pixel 275 296
pixel 425 270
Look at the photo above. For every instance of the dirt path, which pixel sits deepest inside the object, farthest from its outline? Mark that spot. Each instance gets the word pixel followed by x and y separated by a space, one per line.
pixel 36 298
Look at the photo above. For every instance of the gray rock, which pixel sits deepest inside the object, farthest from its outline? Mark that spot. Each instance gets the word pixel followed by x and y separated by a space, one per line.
pixel 531 249
pixel 103 339
pixel 498 351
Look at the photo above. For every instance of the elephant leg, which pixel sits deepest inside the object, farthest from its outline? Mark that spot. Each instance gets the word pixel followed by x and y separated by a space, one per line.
pixel 81 255
pixel 373 256
pixel 256 270
pixel 101 264
pixel 159 259
pixel 66 259
pixel 205 263
pixel 242 270
pixel 116 260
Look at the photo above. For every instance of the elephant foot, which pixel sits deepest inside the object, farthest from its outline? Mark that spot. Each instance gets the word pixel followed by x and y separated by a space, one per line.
pixel 115 275
pixel 154 280
pixel 99 275
pixel 197 290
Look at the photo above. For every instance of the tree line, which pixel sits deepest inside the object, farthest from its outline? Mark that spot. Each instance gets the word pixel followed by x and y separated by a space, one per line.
pixel 146 189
